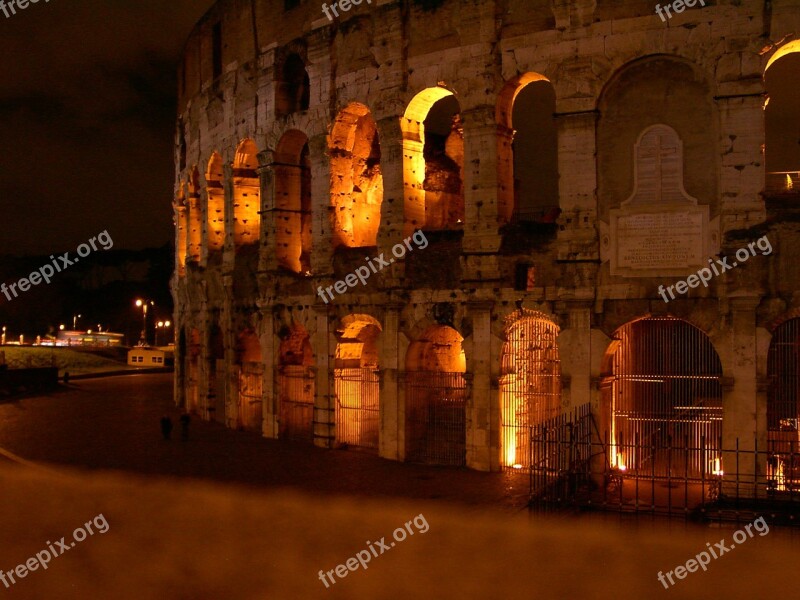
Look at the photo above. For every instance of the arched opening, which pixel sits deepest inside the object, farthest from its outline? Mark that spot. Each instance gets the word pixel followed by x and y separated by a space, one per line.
pixel 356 383
pixel 782 121
pixel 433 162
pixel 783 406
pixel 436 398
pixel 527 152
pixel 293 202
pixel 293 88
pixel 251 375
pixel 666 400
pixel 216 203
pixel 530 382
pixel 181 228
pixel 195 217
pixel 191 339
pixel 356 179
pixel 246 195
pixel 296 384
pixel 216 374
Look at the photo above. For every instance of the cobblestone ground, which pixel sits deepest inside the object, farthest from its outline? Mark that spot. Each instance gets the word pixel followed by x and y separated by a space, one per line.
pixel 113 423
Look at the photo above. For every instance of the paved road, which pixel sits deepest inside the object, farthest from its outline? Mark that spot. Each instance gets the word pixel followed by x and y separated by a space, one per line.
pixel 113 423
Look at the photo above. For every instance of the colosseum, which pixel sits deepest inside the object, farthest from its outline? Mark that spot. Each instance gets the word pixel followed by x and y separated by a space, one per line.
pixel 444 231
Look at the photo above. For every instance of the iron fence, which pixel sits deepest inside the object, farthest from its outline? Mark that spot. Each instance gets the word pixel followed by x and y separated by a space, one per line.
pixel 572 468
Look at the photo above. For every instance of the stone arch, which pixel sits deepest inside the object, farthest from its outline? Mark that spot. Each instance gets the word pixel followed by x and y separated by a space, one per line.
pixel 295 383
pixel 356 178
pixel 664 395
pixel 215 207
pixel 530 147
pixel 436 398
pixel 251 375
pixel 782 121
pixel 356 382
pixel 530 381
pixel 783 405
pixel 292 86
pixel 246 195
pixel 433 165
pixel 657 89
pixel 292 170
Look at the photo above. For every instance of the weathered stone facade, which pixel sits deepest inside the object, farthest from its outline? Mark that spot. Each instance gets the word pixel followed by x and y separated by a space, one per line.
pixel 286 181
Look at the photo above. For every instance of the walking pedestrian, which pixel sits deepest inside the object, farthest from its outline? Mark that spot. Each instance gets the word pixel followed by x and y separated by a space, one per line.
pixel 166 427
pixel 185 426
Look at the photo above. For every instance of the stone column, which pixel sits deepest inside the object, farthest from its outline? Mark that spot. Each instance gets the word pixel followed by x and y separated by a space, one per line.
pixel 391 425
pixel 269 350
pixel 577 236
pixel 483 449
pixel 228 253
pixel 391 230
pixel 574 350
pixel 324 397
pixel 322 249
pixel 739 402
pixel 481 236
pixel 742 170
pixel 267 257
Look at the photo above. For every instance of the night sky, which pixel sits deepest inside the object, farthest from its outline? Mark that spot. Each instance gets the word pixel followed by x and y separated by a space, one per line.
pixel 87 121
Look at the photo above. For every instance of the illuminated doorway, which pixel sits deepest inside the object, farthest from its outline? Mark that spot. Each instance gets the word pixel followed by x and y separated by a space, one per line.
pixel 436 398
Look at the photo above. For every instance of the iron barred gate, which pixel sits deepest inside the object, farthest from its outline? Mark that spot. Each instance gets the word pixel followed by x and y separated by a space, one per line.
pixel 357 407
pixel 296 402
pixel 436 418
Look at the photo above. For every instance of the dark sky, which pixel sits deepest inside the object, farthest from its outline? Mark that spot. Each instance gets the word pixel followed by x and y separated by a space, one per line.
pixel 87 115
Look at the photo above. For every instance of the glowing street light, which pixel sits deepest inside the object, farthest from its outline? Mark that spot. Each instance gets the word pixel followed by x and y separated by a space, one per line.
pixel 75 321
pixel 143 304
pixel 161 325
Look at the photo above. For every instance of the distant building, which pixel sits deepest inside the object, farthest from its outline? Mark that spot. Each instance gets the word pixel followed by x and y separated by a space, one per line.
pixel 85 338
pixel 147 356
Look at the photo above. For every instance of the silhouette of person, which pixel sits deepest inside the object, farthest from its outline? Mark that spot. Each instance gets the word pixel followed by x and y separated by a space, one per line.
pixel 166 427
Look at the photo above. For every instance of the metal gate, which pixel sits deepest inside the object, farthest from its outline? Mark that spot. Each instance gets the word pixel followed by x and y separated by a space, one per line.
pixel 666 400
pixel 357 407
pixel 296 403
pixel 530 384
pixel 436 418
pixel 783 408
pixel 250 401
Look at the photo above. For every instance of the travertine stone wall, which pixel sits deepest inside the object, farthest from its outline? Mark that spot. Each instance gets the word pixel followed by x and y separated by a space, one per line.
pixel 616 69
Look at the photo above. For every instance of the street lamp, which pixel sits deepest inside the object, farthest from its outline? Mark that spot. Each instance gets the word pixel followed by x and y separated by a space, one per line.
pixel 161 325
pixel 3 340
pixel 75 321
pixel 143 304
